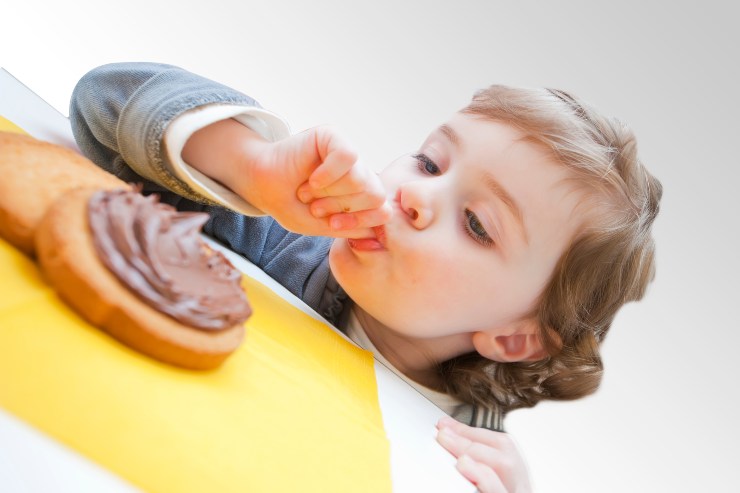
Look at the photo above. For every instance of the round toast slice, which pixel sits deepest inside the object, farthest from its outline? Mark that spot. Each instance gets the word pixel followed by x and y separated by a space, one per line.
pixel 34 175
pixel 69 260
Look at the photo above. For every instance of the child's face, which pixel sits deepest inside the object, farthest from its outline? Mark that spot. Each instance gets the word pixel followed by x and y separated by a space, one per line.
pixel 481 217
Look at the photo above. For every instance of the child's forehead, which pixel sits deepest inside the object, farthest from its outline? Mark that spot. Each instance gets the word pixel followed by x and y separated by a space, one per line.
pixel 499 140
pixel 495 150
pixel 476 133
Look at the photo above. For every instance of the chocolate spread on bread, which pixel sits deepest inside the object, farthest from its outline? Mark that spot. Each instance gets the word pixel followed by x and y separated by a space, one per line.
pixel 158 253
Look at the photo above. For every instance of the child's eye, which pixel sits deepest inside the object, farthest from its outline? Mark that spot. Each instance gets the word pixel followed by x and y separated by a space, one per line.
pixel 426 165
pixel 475 229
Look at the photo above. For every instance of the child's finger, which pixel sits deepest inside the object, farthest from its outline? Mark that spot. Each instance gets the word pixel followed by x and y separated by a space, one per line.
pixel 452 442
pixel 360 219
pixel 458 445
pixel 357 180
pixel 492 438
pixel 337 158
pixel 491 457
pixel 345 204
pixel 484 478
pixel 353 233
pixel 494 451
pixel 487 460
pixel 348 184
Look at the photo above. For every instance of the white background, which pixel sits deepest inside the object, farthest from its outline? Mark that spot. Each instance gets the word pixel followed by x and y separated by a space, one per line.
pixel 387 72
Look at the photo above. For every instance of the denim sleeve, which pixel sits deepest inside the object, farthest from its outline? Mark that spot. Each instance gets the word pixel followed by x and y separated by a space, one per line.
pixel 119 114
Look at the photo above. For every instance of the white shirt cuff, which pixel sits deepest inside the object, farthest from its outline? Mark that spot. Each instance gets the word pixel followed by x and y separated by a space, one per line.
pixel 267 124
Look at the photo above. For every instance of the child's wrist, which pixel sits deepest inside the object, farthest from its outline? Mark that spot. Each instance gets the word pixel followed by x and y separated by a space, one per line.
pixel 251 170
pixel 227 152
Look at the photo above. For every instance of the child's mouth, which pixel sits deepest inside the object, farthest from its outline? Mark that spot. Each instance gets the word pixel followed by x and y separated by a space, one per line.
pixel 369 244
pixel 380 234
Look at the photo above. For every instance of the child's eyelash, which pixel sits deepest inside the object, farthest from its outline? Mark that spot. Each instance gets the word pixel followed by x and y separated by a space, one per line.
pixel 474 229
pixel 425 164
pixel 471 224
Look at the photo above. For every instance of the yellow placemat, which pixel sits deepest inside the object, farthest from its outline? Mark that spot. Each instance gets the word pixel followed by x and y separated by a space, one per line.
pixel 295 408
pixel 8 126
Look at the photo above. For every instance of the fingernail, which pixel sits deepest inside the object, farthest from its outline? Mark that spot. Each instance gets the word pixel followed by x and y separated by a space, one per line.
pixel 447 433
pixel 319 212
pixel 466 465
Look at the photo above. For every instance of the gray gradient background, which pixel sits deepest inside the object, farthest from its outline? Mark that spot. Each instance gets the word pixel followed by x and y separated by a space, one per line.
pixel 386 73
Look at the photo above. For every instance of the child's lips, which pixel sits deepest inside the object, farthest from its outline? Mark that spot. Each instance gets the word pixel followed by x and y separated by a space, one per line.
pixel 369 244
pixel 380 234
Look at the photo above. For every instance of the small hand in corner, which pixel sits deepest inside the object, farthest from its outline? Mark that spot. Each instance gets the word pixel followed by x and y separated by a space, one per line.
pixel 488 459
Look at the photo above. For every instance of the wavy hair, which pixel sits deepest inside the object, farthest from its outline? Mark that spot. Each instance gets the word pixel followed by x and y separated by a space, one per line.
pixel 608 263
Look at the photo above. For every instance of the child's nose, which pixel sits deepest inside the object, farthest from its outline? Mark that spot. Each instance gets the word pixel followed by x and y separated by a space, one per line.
pixel 414 202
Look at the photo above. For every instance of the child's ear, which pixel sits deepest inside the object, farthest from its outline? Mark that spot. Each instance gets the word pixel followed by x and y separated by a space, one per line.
pixel 517 343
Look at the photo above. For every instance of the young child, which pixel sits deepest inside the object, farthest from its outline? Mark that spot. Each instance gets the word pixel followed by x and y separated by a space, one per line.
pixel 485 268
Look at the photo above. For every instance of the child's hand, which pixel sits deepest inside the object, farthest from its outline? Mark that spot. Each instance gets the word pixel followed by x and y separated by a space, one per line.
pixel 338 195
pixel 312 183
pixel 488 459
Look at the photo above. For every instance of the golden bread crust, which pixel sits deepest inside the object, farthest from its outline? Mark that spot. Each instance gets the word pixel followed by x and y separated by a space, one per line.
pixel 68 258
pixel 33 175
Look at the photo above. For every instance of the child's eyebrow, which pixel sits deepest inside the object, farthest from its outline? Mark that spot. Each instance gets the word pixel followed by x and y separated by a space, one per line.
pixel 450 134
pixel 504 196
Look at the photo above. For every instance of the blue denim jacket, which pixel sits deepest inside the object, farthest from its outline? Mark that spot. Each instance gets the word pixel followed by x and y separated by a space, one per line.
pixel 119 114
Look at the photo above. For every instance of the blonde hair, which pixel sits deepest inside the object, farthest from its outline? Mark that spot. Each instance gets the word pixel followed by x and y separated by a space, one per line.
pixel 609 263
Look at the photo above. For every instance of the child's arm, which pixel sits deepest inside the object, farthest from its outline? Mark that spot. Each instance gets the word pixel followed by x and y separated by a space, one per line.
pixel 120 114
pixel 488 459
pixel 134 120
pixel 310 183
